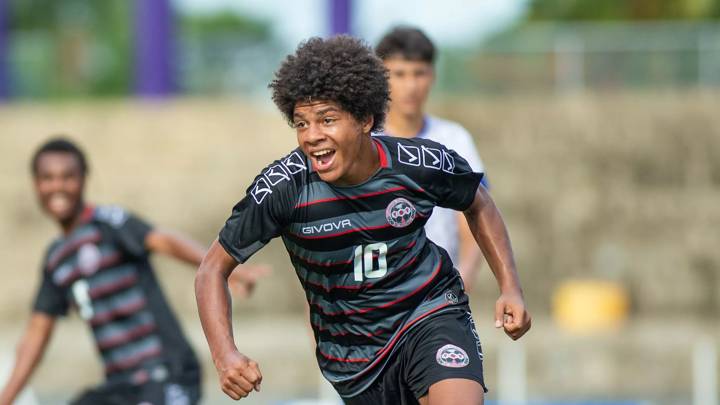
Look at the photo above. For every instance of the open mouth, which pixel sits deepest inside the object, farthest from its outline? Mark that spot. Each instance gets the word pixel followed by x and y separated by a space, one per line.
pixel 59 202
pixel 323 159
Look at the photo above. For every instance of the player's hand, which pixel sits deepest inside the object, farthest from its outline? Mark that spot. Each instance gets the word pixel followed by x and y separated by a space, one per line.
pixel 511 315
pixel 238 375
pixel 244 277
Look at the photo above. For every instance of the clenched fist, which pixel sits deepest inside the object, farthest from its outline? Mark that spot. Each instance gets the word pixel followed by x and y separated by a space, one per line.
pixel 511 315
pixel 238 375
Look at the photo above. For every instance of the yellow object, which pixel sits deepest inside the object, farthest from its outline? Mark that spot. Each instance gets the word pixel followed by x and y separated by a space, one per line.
pixel 583 306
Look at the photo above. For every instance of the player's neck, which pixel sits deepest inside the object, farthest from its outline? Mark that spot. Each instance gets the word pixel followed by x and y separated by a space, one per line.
pixel 71 224
pixel 404 125
pixel 365 165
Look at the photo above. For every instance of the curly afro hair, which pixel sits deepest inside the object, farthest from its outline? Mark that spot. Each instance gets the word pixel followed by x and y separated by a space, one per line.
pixel 340 69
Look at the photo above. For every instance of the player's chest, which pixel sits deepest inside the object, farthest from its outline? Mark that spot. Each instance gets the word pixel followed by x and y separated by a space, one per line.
pixel 82 256
pixel 382 206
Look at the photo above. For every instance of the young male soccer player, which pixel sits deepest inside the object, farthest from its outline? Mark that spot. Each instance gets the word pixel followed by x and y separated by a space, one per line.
pixel 99 265
pixel 409 56
pixel 389 315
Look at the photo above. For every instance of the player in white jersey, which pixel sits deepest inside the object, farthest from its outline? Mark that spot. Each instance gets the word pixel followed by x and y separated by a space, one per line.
pixel 408 54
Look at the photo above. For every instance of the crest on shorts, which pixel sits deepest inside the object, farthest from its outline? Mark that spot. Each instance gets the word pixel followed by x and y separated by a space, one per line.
pixel 451 297
pixel 452 356
pixel 400 213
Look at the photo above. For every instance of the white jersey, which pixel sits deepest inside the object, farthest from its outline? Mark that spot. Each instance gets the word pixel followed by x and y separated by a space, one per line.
pixel 442 228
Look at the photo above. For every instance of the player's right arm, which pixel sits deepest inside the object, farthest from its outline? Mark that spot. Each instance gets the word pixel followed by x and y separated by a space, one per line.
pixel 238 374
pixel 29 351
pixel 254 221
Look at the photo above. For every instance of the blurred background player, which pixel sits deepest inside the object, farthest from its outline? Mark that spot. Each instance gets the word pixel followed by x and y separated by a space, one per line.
pixel 100 266
pixel 409 56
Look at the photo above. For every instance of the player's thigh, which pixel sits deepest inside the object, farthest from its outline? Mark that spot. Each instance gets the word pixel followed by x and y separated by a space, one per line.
pixel 454 391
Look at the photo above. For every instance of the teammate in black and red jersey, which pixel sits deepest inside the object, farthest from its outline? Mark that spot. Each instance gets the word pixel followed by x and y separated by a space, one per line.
pixel 100 266
pixel 387 307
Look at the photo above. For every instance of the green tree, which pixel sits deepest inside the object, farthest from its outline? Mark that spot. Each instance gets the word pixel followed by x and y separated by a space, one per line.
pixel 585 10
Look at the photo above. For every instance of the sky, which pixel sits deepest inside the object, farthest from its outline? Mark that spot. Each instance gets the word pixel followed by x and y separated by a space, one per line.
pixel 447 22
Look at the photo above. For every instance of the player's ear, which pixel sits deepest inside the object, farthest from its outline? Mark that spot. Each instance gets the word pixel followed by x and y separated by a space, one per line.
pixel 367 124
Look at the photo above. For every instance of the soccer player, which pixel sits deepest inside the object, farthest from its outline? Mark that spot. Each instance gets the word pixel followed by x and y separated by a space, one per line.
pixel 409 56
pixel 390 318
pixel 100 266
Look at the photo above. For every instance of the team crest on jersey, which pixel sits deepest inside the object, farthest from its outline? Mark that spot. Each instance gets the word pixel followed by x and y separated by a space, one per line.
pixel 452 356
pixel 400 213
pixel 88 259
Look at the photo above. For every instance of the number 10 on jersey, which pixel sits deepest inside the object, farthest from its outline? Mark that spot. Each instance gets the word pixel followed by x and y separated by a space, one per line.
pixel 365 261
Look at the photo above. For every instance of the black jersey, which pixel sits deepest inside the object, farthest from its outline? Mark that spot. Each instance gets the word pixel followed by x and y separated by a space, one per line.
pixel 360 252
pixel 102 270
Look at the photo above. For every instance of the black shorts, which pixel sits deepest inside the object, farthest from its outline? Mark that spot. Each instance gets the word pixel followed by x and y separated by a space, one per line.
pixel 150 393
pixel 442 347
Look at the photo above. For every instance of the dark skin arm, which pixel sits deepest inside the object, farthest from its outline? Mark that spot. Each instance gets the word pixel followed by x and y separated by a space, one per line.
pixel 28 354
pixel 242 282
pixel 238 374
pixel 489 230
pixel 470 254
pixel 175 245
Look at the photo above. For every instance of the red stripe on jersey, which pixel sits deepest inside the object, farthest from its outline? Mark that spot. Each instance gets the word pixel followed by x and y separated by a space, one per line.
pixel 71 247
pixel 85 217
pixel 345 262
pixel 360 286
pixel 133 361
pixel 117 285
pixel 355 197
pixel 387 304
pixel 105 262
pixel 128 336
pixel 387 348
pixel 128 309
pixel 344 359
pixel 381 154
pixel 327 264
pixel 366 228
pixel 345 333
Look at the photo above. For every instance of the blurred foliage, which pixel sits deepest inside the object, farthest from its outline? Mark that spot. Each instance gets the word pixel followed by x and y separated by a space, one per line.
pixel 225 22
pixel 68 48
pixel 593 10
pixel 71 47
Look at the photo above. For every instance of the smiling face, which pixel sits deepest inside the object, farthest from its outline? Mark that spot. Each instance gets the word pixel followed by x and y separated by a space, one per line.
pixel 59 182
pixel 338 145
pixel 410 82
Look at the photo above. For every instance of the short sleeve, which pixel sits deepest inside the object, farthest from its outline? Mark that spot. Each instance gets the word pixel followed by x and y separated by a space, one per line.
pixel 129 230
pixel 453 185
pixel 467 148
pixel 257 218
pixel 50 298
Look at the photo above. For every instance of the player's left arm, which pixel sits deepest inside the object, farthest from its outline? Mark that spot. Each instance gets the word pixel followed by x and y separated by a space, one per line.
pixel 175 245
pixel 170 243
pixel 488 228
pixel 470 253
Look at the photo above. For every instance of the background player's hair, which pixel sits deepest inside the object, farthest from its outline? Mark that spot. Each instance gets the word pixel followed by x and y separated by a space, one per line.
pixel 408 43
pixel 341 69
pixel 62 145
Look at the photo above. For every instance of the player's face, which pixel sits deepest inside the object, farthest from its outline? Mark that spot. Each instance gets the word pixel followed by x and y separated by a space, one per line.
pixel 59 185
pixel 333 140
pixel 410 82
